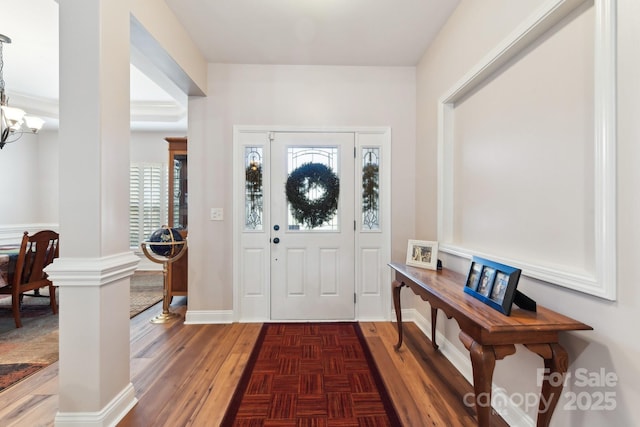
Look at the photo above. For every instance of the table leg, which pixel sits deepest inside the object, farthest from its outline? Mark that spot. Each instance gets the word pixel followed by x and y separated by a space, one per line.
pixel 556 362
pixel 483 362
pixel 434 320
pixel 396 287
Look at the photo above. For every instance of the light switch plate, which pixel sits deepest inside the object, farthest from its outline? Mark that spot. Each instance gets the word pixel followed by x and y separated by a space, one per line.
pixel 217 214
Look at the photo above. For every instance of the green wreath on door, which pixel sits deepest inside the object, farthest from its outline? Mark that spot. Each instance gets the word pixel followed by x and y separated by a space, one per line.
pixel 308 176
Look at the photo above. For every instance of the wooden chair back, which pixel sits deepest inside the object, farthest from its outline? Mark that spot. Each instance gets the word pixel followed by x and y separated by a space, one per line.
pixel 36 252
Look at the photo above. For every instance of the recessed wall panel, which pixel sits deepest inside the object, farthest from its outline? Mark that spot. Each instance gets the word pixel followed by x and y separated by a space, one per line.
pixel 528 140
pixel 253 270
pixel 296 259
pixel 329 271
pixel 370 271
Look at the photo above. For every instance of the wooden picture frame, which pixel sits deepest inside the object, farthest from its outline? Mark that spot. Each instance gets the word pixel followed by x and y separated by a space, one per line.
pixel 492 283
pixel 422 254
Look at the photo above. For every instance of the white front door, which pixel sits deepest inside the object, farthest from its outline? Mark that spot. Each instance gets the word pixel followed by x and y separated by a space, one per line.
pixel 312 272
pixel 312 226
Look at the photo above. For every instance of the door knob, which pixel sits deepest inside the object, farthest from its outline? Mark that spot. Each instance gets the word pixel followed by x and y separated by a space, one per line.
pixel 276 240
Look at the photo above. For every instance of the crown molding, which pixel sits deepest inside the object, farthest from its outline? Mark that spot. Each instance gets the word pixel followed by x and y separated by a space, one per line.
pixel 141 111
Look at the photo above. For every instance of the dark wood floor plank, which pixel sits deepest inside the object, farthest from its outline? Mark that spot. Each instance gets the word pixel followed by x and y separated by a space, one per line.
pixel 168 379
pixel 407 407
pixel 435 408
pixel 439 407
pixel 224 384
pixel 199 384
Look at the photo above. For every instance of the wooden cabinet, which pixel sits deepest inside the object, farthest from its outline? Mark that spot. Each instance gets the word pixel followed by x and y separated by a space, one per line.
pixel 177 212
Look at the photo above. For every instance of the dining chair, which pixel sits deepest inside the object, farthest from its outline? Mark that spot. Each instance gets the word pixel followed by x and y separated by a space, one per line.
pixel 36 252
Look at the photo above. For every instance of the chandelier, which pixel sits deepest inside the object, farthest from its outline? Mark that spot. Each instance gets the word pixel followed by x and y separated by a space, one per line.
pixel 13 121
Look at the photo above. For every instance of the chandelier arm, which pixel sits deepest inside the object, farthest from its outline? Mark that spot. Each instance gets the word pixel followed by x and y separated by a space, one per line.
pixel 5 135
pixel 2 42
pixel 9 133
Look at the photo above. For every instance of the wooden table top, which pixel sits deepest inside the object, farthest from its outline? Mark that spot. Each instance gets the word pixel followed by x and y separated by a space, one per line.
pixel 448 286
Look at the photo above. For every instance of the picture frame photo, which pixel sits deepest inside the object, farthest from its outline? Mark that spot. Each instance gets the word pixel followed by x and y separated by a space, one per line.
pixel 486 281
pixel 474 276
pixel 422 254
pixel 492 283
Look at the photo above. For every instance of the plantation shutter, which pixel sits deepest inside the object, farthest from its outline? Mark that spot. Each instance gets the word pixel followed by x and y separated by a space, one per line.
pixel 147 201
pixel 134 206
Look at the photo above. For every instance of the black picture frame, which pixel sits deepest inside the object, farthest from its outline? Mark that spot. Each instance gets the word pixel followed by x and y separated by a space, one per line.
pixel 492 283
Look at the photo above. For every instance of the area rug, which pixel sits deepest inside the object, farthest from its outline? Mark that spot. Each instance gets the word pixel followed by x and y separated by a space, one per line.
pixel 311 374
pixel 146 291
pixel 25 350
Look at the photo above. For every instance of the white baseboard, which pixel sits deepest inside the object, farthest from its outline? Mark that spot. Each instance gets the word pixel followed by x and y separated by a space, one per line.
pixel 109 416
pixel 199 317
pixel 205 317
pixel 372 319
pixel 512 414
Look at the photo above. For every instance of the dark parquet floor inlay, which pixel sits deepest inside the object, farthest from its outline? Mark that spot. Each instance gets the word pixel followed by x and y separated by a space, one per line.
pixel 311 374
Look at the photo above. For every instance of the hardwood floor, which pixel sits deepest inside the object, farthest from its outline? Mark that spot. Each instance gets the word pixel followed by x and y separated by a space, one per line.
pixel 186 375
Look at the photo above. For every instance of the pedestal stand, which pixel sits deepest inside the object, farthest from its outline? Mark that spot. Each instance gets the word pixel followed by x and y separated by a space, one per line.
pixel 166 315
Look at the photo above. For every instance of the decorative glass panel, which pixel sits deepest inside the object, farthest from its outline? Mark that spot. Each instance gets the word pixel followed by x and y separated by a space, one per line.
pixel 370 188
pixel 180 195
pixel 312 188
pixel 253 188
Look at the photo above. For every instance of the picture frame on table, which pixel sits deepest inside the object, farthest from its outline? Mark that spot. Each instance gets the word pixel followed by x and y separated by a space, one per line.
pixel 493 283
pixel 422 254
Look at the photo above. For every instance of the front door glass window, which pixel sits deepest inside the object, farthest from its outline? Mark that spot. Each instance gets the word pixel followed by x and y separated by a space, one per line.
pixel 312 189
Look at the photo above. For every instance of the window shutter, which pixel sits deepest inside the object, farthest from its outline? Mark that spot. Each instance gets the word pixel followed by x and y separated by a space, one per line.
pixel 148 201
pixel 134 205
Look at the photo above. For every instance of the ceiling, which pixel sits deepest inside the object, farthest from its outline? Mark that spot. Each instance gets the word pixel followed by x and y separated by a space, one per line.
pixel 309 32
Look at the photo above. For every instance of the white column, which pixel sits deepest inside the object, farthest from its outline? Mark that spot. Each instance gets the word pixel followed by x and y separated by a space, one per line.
pixel 95 262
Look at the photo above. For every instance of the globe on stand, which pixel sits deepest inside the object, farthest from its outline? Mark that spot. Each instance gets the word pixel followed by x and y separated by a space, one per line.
pixel 165 246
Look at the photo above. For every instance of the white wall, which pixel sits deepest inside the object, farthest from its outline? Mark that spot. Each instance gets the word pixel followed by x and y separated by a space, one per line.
pixel 471 33
pixel 151 147
pixel 288 96
pixel 28 196
pixel 18 164
pixel 46 191
pixel 523 173
pixel 29 168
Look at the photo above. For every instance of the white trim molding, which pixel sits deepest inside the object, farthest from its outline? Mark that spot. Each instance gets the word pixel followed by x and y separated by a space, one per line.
pixel 602 283
pixel 12 234
pixel 92 272
pixel 206 317
pixel 110 415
